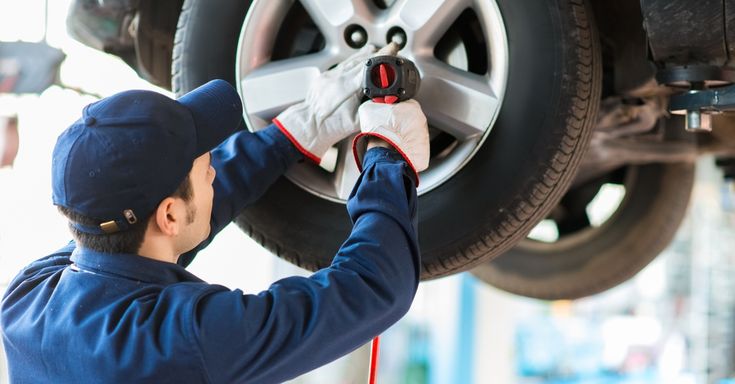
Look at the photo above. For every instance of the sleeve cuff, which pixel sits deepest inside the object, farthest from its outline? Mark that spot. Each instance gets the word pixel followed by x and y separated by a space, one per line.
pixel 388 155
pixel 282 143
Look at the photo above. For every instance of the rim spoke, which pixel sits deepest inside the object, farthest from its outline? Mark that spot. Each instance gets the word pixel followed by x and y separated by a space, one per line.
pixel 429 20
pixel 573 207
pixel 346 172
pixel 573 223
pixel 455 101
pixel 275 86
pixel 329 15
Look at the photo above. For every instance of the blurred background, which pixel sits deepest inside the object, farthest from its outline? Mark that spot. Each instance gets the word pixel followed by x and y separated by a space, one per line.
pixel 673 323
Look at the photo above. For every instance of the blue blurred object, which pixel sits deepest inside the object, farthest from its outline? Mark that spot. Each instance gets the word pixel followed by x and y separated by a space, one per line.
pixel 571 350
pixel 28 67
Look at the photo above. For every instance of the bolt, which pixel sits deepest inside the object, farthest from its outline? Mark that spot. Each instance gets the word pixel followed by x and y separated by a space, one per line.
pixel 399 62
pixel 366 91
pixel 369 63
pixel 698 122
pixel 401 91
pixel 399 39
pixel 358 37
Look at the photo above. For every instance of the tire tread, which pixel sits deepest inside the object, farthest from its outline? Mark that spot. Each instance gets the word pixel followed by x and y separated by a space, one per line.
pixel 548 188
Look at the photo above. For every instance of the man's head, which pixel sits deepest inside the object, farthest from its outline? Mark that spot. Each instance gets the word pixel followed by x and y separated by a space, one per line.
pixel 138 163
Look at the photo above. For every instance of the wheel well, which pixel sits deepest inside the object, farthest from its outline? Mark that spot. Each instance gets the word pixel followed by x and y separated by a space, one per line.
pixel 153 31
pixel 623 39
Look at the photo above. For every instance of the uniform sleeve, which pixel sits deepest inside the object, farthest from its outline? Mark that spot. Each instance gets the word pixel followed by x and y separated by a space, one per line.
pixel 301 323
pixel 247 164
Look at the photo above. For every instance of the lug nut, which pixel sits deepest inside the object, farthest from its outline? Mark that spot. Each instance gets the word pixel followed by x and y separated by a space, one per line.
pixel 399 39
pixel 358 37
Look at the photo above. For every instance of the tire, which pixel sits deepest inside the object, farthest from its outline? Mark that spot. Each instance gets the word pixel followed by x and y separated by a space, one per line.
pixel 199 57
pixel 514 179
pixel 592 260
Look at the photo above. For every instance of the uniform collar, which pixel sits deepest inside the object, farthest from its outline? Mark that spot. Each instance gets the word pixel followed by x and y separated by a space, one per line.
pixel 131 266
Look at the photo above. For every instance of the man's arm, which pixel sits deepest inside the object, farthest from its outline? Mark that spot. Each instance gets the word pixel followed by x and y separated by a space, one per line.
pixel 301 323
pixel 247 164
pixel 309 128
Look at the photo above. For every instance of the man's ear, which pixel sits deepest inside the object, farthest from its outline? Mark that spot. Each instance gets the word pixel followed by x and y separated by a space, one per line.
pixel 165 217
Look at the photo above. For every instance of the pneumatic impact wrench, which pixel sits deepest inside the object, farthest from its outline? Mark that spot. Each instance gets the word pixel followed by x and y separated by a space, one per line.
pixel 388 80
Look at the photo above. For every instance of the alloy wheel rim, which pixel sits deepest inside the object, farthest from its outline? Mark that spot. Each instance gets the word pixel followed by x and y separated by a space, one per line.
pixel 460 105
pixel 616 204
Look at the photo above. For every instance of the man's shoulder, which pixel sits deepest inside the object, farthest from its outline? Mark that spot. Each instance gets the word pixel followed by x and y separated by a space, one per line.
pixel 60 258
pixel 47 264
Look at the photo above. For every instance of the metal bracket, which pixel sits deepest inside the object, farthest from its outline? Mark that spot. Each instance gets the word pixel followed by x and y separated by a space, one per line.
pixel 715 99
pixel 699 105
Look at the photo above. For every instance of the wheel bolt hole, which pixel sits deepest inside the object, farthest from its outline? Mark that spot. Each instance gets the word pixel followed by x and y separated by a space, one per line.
pixel 356 36
pixel 398 36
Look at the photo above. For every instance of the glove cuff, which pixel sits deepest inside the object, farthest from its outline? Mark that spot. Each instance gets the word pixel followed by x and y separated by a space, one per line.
pixel 309 155
pixel 359 147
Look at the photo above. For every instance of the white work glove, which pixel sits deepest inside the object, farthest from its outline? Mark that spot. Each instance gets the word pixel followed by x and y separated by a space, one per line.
pixel 402 125
pixel 329 113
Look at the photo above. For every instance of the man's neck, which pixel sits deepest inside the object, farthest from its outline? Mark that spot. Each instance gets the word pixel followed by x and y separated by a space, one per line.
pixel 157 250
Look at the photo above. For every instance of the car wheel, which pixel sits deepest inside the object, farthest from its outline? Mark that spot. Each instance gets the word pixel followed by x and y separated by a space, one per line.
pixel 510 88
pixel 584 254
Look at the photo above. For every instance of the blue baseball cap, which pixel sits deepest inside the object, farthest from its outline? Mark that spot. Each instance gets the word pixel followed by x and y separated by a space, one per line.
pixel 131 150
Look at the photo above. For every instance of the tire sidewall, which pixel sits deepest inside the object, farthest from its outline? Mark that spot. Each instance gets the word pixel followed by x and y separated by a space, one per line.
pixel 643 225
pixel 521 146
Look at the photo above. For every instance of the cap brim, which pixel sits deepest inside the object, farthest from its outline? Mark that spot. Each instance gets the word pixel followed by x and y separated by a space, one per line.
pixel 217 111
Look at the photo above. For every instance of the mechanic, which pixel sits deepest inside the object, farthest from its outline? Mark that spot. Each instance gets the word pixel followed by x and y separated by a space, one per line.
pixel 135 176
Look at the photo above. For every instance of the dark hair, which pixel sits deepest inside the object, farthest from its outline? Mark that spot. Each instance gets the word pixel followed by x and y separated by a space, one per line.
pixel 128 241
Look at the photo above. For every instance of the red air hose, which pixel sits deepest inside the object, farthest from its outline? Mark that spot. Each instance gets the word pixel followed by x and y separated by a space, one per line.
pixel 374 360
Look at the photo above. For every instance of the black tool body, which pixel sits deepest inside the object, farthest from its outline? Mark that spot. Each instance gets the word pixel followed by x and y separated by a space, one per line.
pixel 390 79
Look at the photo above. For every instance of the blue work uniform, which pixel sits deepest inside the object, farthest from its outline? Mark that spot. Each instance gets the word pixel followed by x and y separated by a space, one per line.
pixel 80 316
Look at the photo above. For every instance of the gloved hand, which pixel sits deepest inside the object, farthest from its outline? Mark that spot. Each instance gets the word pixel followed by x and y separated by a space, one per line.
pixel 329 113
pixel 402 125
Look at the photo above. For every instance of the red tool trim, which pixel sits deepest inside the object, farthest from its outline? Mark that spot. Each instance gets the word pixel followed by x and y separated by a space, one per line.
pixel 384 82
pixel 390 99
pixel 384 77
